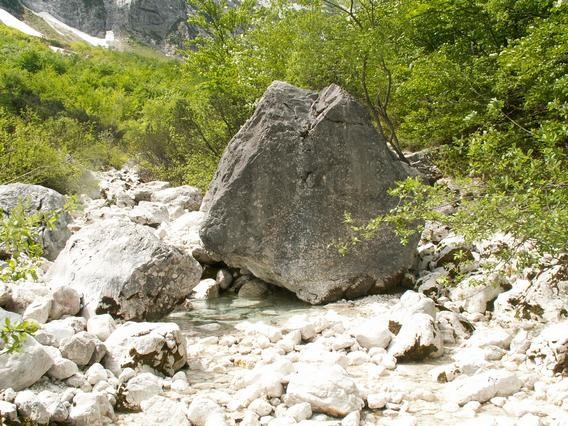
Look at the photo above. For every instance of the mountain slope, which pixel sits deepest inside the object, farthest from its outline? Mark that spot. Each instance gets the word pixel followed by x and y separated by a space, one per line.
pixel 111 23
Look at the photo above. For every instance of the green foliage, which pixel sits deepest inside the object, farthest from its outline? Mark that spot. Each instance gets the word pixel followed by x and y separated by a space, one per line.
pixel 61 113
pixel 13 335
pixel 20 243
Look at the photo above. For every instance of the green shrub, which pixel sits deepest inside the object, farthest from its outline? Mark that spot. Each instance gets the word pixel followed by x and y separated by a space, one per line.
pixel 13 335
pixel 20 241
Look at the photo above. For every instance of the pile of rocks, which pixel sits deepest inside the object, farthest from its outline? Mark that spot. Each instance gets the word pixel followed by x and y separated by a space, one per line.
pixel 85 361
pixel 431 355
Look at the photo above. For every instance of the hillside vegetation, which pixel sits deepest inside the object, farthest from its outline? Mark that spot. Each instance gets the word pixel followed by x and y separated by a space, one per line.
pixel 67 110
pixel 485 82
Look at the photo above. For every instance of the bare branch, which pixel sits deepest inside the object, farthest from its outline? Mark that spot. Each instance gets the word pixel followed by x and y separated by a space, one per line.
pixel 350 12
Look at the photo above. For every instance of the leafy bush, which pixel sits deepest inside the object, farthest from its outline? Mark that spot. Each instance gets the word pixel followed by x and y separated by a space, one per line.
pixel 20 241
pixel 13 335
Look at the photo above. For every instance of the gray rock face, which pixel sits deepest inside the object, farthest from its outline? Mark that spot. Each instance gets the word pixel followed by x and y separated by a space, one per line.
pixel 284 182
pixel 121 268
pixel 89 16
pixel 39 199
pixel 150 21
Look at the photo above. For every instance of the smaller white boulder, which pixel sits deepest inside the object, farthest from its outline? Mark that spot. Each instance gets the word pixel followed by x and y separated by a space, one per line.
pixel 82 348
pixel 101 326
pixel 417 339
pixel 141 387
pixel 206 289
pixel 91 408
pixel 38 310
pixel 66 301
pixel 326 387
pixel 482 387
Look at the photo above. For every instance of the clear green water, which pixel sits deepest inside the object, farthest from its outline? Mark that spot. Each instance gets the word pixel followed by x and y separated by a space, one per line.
pixel 219 316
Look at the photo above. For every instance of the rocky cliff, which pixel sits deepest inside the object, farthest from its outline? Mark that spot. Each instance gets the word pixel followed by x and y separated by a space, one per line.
pixel 159 23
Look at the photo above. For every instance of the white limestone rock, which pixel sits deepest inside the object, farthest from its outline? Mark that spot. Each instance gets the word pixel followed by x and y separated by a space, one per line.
pixel 24 293
pixel 261 407
pixel 454 327
pixel 410 303
pixel 57 408
pixel 101 326
pixel 417 339
pixel 372 333
pixel 327 388
pixel 544 297
pixel 62 368
pixel 260 328
pixel 83 348
pixel 206 289
pixel 39 199
pixel 123 269
pixel 59 330
pixel 66 301
pixel 550 348
pixel 299 412
pixel 8 411
pixel 250 419
pixel 139 388
pixel 38 310
pixel 352 419
pixel 96 373
pixel 12 316
pixel 22 369
pixel 90 409
pixel 476 292
pixel 494 336
pixel 30 406
pixel 205 412
pixel 483 386
pixel 186 197
pixel 144 191
pixel 376 401
pixel 161 346
pixel 149 213
pixel 163 411
pixel 183 233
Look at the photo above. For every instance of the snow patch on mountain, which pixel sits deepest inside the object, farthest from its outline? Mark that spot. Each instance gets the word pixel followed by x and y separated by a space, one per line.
pixel 11 21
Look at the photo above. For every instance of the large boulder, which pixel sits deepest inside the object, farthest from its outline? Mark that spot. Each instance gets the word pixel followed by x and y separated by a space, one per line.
pixel 37 198
pixel 123 269
pixel 276 204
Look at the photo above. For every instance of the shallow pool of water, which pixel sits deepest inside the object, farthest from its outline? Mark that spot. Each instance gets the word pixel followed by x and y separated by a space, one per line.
pixel 220 315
